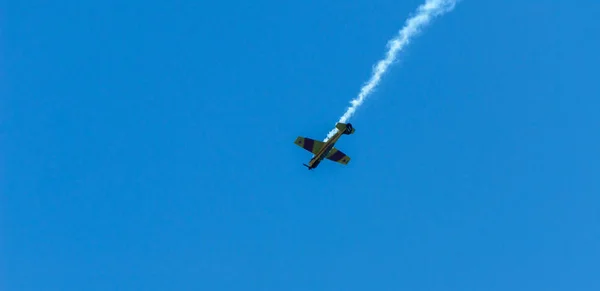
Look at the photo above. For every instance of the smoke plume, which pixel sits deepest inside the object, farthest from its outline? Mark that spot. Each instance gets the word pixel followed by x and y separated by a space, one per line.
pixel 424 14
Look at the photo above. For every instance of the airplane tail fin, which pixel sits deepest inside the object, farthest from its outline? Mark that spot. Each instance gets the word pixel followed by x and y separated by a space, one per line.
pixel 345 127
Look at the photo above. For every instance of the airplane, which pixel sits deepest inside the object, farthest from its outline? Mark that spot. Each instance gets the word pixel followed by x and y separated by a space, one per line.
pixel 325 150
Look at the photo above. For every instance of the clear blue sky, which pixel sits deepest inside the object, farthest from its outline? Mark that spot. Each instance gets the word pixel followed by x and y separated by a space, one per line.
pixel 148 145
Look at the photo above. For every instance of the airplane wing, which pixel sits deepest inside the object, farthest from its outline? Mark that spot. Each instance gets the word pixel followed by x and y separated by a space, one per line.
pixel 309 144
pixel 337 156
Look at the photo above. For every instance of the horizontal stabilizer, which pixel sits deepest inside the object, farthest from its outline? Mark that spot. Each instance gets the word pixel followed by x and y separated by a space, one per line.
pixel 346 128
pixel 340 126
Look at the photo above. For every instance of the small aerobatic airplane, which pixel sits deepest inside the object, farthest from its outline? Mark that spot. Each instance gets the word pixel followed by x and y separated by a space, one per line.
pixel 325 150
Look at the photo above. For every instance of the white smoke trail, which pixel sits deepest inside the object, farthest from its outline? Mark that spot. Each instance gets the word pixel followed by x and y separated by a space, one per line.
pixel 425 13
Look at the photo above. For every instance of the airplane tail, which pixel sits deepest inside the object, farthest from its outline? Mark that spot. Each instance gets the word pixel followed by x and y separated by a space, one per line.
pixel 345 127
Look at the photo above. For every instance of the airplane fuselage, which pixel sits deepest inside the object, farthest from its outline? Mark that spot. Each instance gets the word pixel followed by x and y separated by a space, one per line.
pixel 317 158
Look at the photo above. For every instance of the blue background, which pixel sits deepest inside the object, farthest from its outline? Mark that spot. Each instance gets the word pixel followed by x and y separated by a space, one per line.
pixel 148 145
